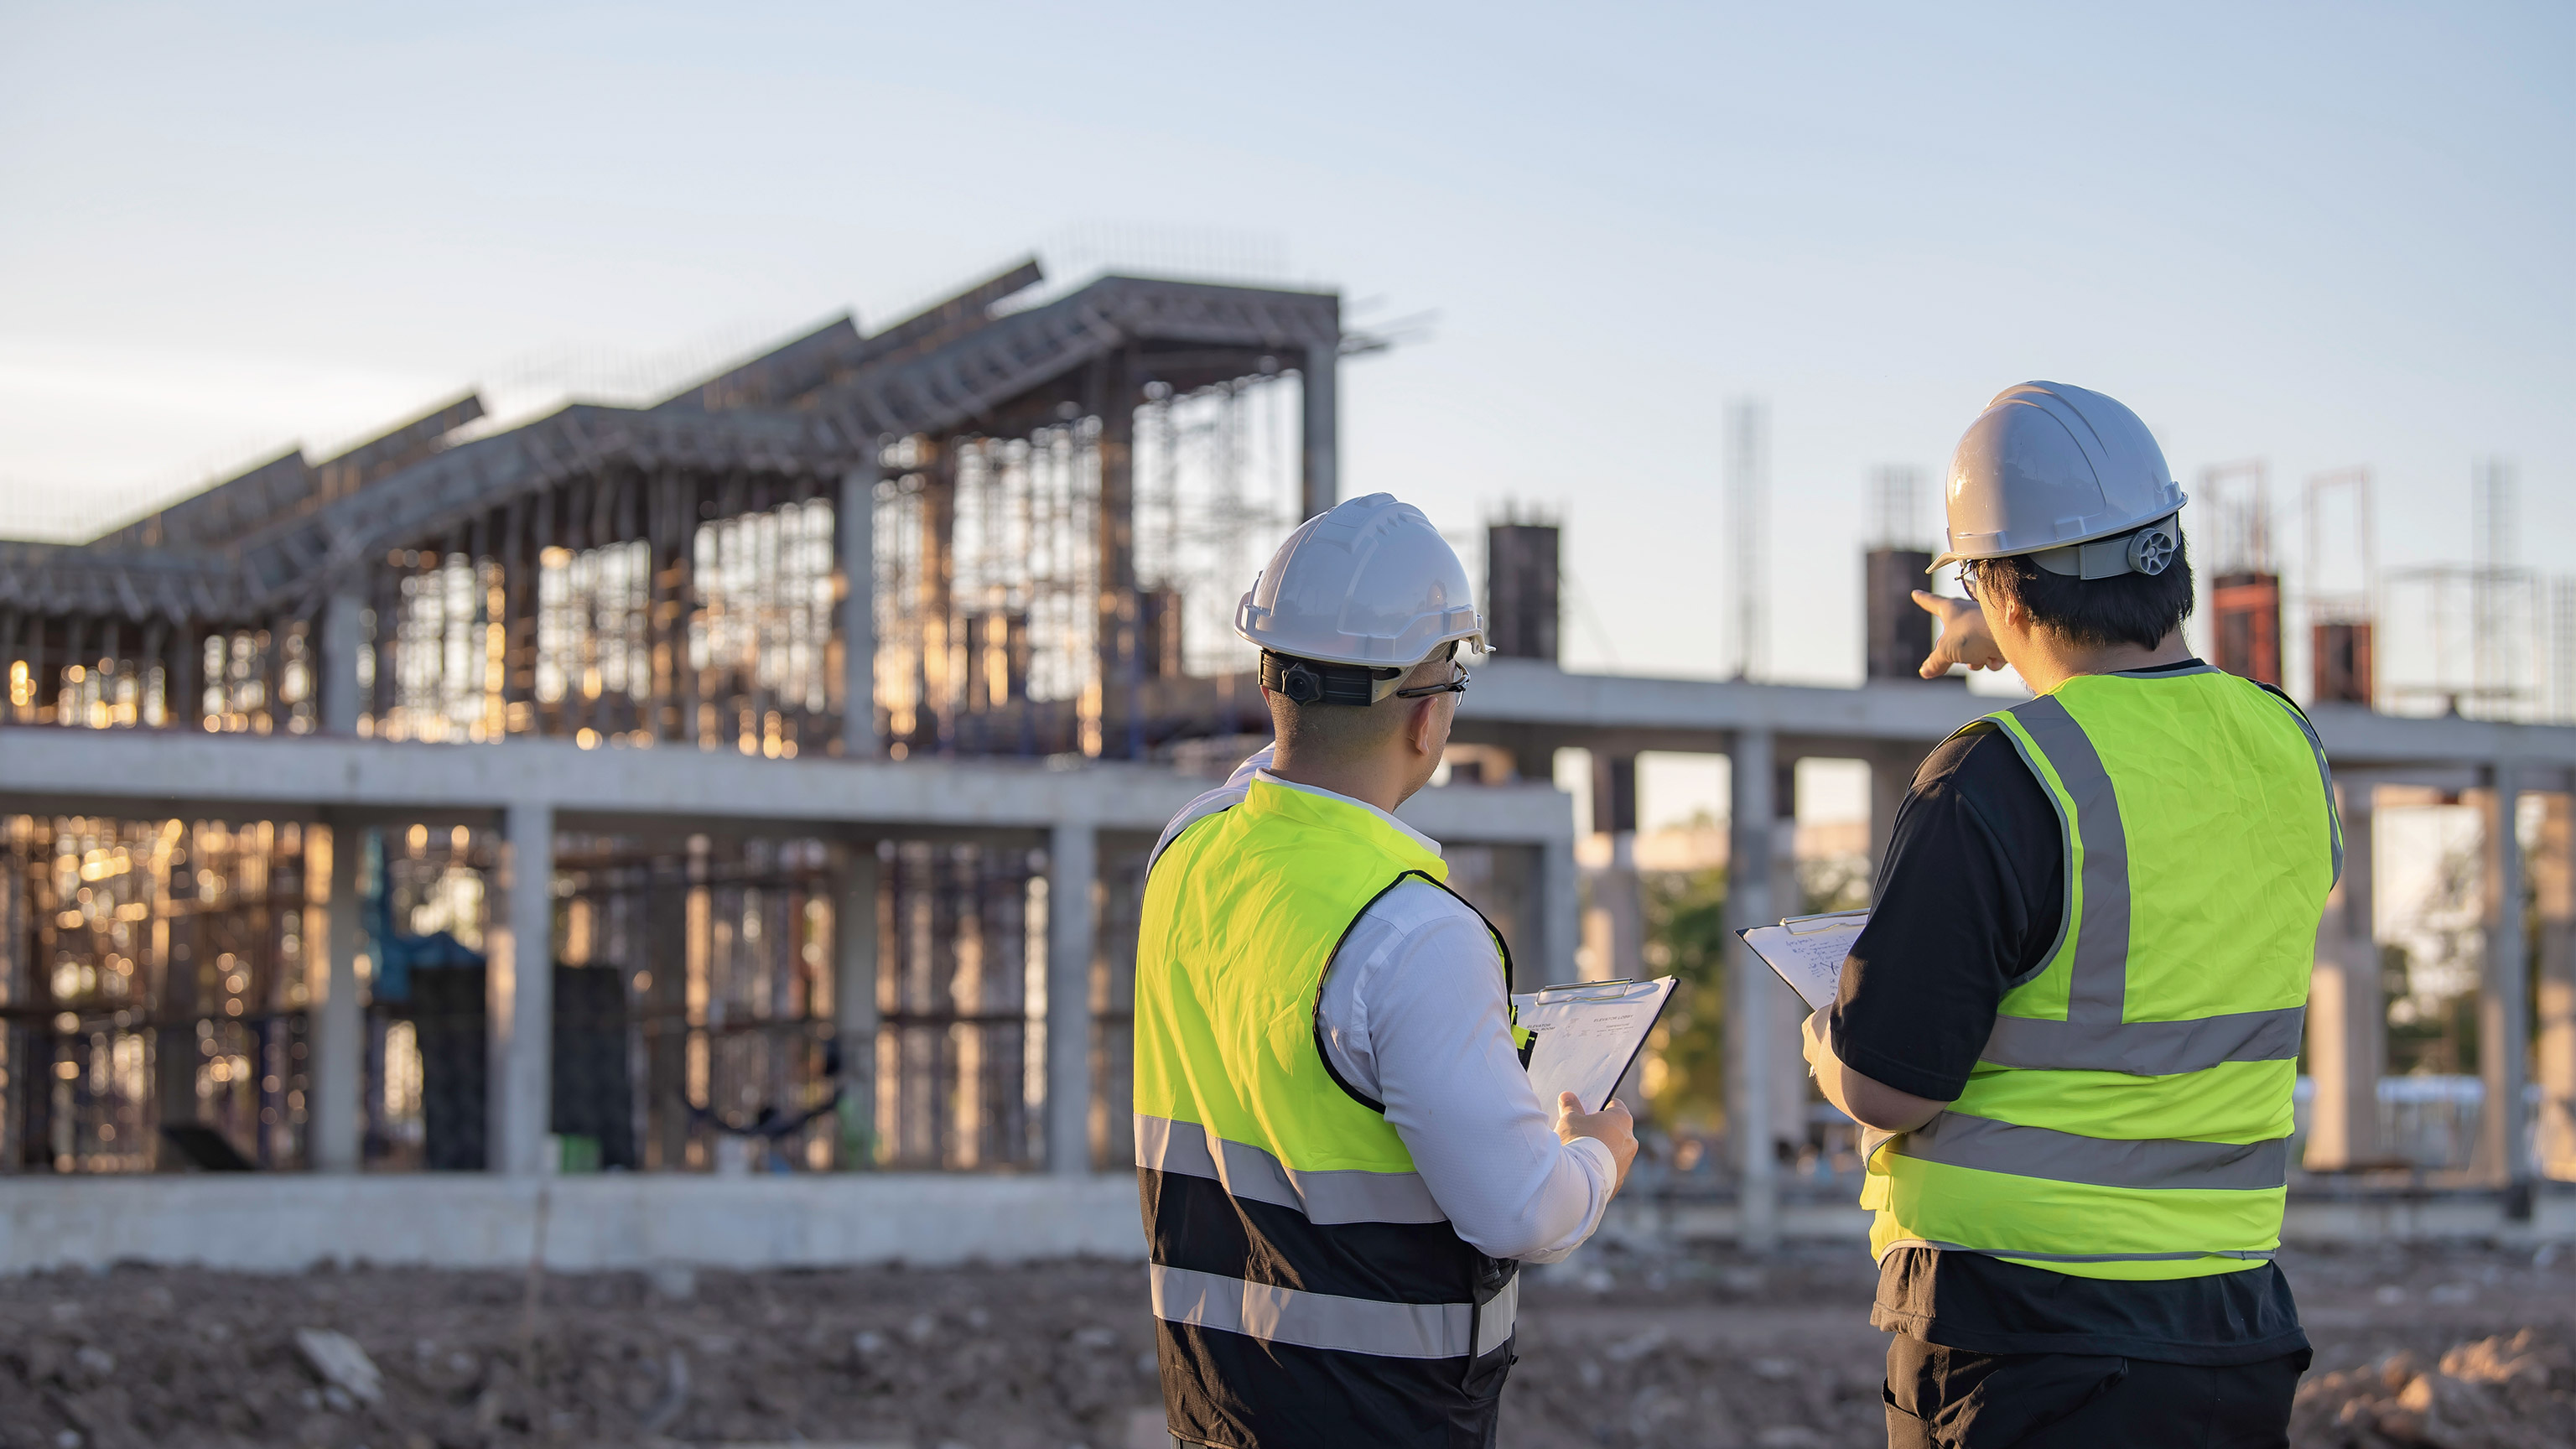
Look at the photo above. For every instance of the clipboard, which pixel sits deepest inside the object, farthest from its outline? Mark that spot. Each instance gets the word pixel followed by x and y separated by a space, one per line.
pixel 1584 1035
pixel 1808 952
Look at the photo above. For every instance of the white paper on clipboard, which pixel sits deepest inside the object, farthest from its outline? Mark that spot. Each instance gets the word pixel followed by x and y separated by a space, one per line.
pixel 1808 952
pixel 1585 1034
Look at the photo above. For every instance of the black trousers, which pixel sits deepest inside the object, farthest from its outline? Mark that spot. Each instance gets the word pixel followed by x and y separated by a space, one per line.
pixel 1948 1398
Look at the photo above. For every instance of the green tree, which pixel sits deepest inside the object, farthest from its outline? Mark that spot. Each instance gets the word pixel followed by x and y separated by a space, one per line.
pixel 1686 936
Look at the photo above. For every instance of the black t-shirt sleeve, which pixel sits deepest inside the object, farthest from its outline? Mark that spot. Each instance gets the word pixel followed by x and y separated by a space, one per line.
pixel 1969 900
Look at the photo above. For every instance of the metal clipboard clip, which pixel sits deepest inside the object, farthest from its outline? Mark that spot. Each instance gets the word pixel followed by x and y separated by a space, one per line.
pixel 1625 986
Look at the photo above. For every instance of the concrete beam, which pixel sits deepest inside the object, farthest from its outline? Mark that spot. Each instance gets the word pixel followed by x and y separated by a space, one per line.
pixel 1619 712
pixel 2355 736
pixel 228 776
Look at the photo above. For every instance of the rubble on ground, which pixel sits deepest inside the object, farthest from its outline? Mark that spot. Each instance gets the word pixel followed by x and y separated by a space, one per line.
pixel 2450 1348
pixel 2494 1393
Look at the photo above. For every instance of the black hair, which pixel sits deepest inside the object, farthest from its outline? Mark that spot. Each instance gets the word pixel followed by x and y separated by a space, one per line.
pixel 2138 609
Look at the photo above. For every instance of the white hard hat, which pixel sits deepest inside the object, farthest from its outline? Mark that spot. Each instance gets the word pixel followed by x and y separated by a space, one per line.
pixel 2067 476
pixel 1368 582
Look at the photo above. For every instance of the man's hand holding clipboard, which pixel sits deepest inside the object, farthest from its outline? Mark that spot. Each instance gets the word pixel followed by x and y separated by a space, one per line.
pixel 1577 1041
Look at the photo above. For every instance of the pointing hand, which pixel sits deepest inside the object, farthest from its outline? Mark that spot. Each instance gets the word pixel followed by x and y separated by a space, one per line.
pixel 1965 639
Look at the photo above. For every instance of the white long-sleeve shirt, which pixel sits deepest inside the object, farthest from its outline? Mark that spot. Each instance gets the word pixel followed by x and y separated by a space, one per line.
pixel 1415 1013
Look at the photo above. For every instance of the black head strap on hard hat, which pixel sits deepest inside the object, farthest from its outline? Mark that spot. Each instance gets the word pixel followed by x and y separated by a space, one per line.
pixel 1309 681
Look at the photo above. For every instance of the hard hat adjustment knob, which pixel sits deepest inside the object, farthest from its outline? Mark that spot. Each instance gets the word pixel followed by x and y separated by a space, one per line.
pixel 2152 549
pixel 1301 684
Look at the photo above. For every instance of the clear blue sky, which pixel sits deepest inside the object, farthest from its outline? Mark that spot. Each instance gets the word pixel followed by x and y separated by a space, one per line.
pixel 2318 235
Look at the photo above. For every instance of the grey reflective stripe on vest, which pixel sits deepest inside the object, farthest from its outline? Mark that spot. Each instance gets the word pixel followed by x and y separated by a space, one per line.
pixel 2252 1255
pixel 2099 990
pixel 1955 1139
pixel 1325 1198
pixel 1323 1320
pixel 2146 1048
pixel 2093 1037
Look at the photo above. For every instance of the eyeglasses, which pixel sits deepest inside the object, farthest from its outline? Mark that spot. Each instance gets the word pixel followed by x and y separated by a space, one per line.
pixel 1968 581
pixel 1457 685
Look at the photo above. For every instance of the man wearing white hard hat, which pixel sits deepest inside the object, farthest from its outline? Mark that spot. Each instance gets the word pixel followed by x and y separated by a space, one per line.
pixel 2073 1020
pixel 1341 1162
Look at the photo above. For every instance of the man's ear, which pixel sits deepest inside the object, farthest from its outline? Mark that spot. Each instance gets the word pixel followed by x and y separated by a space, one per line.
pixel 1418 725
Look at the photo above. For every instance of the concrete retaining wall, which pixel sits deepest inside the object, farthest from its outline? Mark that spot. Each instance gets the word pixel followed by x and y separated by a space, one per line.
pixel 632 1221
pixel 611 1221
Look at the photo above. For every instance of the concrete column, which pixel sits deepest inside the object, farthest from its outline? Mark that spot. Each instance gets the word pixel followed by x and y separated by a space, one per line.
pixel 2503 1007
pixel 854 990
pixel 343 639
pixel 520 990
pixel 338 1039
pixel 2347 1020
pixel 1785 1013
pixel 1560 928
pixel 2553 869
pixel 1320 471
pixel 1750 1046
pixel 1073 854
pixel 856 519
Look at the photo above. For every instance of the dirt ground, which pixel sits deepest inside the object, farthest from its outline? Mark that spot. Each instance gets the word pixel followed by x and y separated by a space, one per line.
pixel 1688 1349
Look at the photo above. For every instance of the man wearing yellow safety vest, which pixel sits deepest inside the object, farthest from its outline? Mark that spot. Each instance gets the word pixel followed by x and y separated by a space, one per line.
pixel 2074 1016
pixel 1341 1162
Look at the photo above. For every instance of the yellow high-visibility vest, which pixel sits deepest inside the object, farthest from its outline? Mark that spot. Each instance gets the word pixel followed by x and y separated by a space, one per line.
pixel 1307 1289
pixel 2130 1115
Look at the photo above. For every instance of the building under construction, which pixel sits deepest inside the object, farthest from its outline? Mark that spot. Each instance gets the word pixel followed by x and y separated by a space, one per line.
pixel 680 808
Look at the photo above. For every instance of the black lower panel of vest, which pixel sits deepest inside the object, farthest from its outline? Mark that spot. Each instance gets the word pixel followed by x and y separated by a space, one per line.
pixel 1194 1223
pixel 592 1095
pixel 1244 1393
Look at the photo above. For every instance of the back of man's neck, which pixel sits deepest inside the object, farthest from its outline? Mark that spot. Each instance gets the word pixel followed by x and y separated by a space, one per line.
pixel 2071 662
pixel 1357 784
